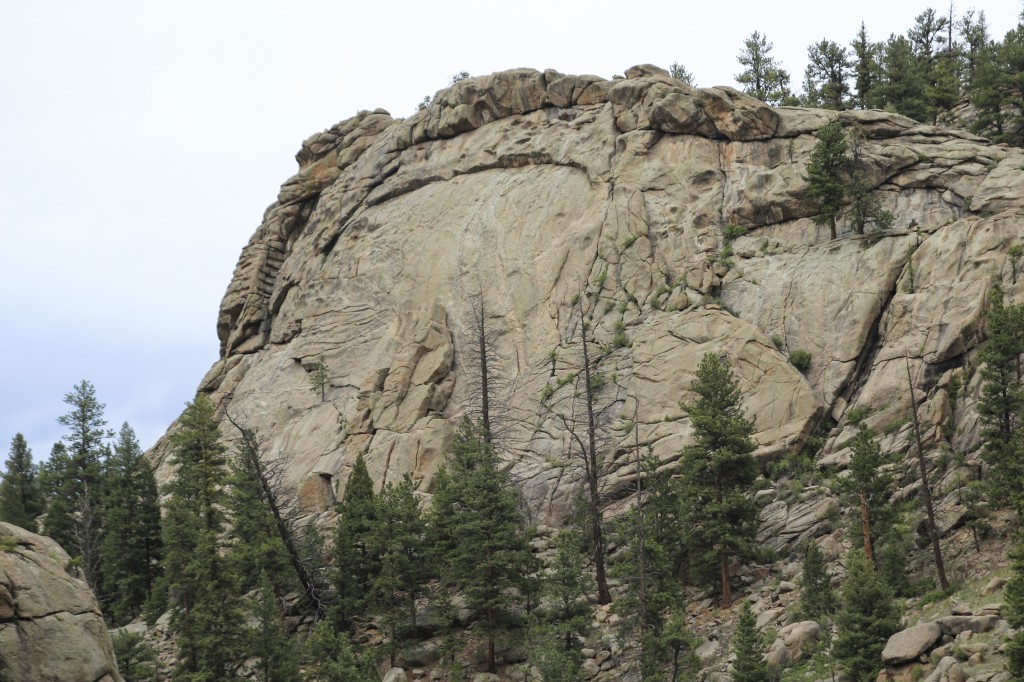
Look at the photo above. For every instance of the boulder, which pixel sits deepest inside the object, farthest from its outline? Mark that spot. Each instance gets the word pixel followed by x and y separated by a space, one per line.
pixel 948 670
pixel 908 645
pixel 51 628
pixel 395 675
pixel 792 641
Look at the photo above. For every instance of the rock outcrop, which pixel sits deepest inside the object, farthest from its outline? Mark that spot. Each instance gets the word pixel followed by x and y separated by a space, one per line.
pixel 530 187
pixel 51 629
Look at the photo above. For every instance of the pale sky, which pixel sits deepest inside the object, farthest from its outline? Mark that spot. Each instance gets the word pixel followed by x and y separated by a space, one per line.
pixel 141 141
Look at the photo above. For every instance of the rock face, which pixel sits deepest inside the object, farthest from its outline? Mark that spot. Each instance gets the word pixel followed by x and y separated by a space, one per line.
pixel 528 188
pixel 51 629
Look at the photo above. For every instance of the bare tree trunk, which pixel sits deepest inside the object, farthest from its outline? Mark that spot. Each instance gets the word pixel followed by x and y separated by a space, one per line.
pixel 933 531
pixel 865 526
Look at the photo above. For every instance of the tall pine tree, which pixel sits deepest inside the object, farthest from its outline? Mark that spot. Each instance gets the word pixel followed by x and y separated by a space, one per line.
pixel 747 645
pixel 132 544
pixel 866 619
pixel 354 563
pixel 202 588
pixel 478 531
pixel 719 519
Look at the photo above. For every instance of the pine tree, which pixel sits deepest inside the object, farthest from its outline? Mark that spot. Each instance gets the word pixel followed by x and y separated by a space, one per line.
pixel 826 169
pixel 866 619
pixel 332 659
pixel 136 658
pixel 398 541
pixel 565 589
pixel 21 497
pixel 866 70
pixel 132 544
pixel 1001 406
pixel 747 645
pixel 354 564
pixel 827 70
pixel 268 642
pixel 762 77
pixel 478 531
pixel 902 86
pixel 75 521
pixel 319 378
pixel 720 521
pixel 680 73
pixel 202 589
pixel 867 487
pixel 817 600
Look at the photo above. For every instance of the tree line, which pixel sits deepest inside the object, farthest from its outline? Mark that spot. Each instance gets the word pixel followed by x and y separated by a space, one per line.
pixel 941 61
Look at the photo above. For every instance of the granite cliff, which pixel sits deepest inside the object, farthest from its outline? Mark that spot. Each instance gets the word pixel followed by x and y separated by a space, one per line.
pixel 531 187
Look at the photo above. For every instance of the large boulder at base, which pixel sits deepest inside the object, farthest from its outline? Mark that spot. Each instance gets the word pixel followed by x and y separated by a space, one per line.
pixel 908 644
pixel 51 629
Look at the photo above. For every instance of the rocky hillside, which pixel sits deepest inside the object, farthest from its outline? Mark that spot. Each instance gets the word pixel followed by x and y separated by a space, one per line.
pixel 532 187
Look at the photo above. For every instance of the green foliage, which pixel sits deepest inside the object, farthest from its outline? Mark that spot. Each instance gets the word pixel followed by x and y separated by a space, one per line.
pixel 398 543
pixel 74 482
pixel 679 72
pixel 800 359
pixel 720 521
pixel 331 658
pixel 747 645
pixel 21 496
pixel 865 214
pixel 319 378
pixel 826 76
pixel 866 619
pixel 866 69
pixel 1014 597
pixel 460 76
pixel 1015 253
pixel 132 545
pixel 268 642
pixel 354 563
pixel 762 77
pixel 566 585
pixel 731 233
pixel 825 177
pixel 136 658
pixel 868 484
pixel 1002 397
pixel 817 600
pixel 478 530
pixel 202 589
pixel 858 414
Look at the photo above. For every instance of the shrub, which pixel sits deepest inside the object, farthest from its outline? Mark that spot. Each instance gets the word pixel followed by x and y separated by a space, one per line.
pixel 800 359
pixel 778 341
pixel 732 232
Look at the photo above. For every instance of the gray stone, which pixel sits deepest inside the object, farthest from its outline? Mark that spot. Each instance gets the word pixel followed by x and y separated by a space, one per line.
pixel 908 644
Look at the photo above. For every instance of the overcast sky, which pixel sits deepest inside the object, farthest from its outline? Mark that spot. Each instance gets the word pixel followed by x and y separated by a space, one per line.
pixel 140 143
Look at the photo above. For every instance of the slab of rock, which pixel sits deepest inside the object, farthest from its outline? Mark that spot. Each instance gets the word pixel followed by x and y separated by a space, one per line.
pixel 908 645
pixel 51 629
pixel 954 625
pixel 395 675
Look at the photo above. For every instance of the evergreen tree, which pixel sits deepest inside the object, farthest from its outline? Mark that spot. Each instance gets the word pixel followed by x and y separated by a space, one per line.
pixel 319 378
pixel 268 641
pixel 203 590
pixel 867 487
pixel 565 589
pixel 21 497
pixel 762 77
pixel 866 70
pixel 74 520
pixel 720 521
pixel 974 35
pixel 132 543
pixel 680 73
pixel 1001 406
pixel 332 659
pixel 398 541
pixel 902 87
pixel 827 70
pixel 354 564
pixel 478 530
pixel 866 619
pixel 817 600
pixel 825 177
pixel 1014 595
pixel 257 547
pixel 747 645
pixel 136 658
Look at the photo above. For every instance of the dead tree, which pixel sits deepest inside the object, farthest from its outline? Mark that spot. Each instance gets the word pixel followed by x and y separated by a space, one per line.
pixel 926 491
pixel 281 506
